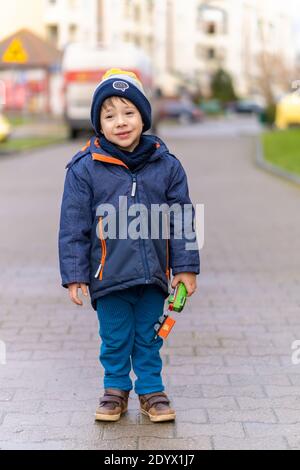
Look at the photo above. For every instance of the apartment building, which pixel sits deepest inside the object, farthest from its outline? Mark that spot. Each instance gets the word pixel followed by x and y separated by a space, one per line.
pixel 67 21
pixel 236 33
pixel 19 14
pixel 187 40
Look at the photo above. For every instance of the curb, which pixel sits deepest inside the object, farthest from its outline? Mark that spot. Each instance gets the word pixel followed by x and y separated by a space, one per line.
pixel 267 166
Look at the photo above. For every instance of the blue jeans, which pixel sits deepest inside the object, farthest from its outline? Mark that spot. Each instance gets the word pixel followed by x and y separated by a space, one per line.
pixel 127 318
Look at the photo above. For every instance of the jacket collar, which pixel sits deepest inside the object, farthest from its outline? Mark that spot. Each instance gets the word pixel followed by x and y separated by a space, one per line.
pixel 99 154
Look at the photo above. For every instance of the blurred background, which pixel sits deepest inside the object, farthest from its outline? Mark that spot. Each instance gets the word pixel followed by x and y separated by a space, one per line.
pixel 223 77
pixel 197 58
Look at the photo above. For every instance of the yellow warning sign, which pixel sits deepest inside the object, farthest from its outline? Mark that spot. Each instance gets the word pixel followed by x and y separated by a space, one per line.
pixel 15 53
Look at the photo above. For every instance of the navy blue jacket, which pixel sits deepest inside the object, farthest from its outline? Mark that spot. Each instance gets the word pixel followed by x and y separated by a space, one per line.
pixel 107 264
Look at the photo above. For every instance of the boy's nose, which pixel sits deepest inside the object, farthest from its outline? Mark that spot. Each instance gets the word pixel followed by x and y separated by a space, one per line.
pixel 120 120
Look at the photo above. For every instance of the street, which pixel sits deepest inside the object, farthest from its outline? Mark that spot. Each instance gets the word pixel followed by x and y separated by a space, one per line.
pixel 228 361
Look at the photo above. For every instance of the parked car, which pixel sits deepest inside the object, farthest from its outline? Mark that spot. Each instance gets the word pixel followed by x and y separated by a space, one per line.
pixel 245 107
pixel 288 111
pixel 180 111
pixel 211 107
pixel 5 128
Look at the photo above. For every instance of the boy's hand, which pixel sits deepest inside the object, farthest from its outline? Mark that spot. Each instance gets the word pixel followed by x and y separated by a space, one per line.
pixel 73 291
pixel 188 279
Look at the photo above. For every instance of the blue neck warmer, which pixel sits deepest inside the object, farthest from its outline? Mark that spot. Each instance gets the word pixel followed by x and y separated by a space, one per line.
pixel 134 160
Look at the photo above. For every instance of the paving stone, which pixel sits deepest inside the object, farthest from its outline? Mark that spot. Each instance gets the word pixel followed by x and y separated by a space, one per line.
pixel 226 443
pixel 287 415
pixel 53 419
pixel 247 391
pixel 259 379
pixel 294 441
pixel 203 443
pixel 258 403
pixel 165 430
pixel 287 391
pixel 199 379
pixel 241 416
pixel 201 361
pixel 271 430
pixel 227 429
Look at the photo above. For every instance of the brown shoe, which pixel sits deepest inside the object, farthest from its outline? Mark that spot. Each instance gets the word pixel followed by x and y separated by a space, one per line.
pixel 112 405
pixel 156 407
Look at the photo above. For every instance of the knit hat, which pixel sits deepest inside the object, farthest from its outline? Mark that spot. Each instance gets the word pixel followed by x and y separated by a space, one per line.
pixel 117 82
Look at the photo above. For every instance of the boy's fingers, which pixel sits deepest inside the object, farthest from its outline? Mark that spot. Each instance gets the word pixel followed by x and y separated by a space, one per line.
pixel 77 301
pixel 175 282
pixel 74 295
pixel 84 289
pixel 191 290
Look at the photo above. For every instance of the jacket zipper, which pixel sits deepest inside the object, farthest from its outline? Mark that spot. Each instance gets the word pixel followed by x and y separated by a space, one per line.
pixel 99 273
pixel 167 264
pixel 134 193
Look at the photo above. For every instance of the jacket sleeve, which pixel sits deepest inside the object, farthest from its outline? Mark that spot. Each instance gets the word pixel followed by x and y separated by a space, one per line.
pixel 75 229
pixel 182 232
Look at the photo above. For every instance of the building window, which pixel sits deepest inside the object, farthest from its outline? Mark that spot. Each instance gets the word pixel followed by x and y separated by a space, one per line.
pixel 150 6
pixel 212 20
pixel 137 41
pixel 211 53
pixel 73 32
pixel 211 28
pixel 137 13
pixel 127 8
pixel 52 33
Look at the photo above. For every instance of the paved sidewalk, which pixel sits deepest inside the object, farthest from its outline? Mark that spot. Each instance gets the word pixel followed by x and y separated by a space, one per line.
pixel 228 362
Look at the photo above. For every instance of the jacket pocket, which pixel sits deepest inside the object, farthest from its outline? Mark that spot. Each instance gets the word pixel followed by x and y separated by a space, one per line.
pixel 99 273
pixel 161 246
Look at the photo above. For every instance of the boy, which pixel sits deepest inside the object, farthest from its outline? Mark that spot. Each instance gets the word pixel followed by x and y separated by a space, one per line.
pixel 128 276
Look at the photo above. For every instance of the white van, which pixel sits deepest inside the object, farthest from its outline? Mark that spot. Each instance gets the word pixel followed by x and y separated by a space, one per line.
pixel 83 67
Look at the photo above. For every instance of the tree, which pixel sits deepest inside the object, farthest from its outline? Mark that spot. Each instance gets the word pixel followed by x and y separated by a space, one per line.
pixel 222 86
pixel 274 78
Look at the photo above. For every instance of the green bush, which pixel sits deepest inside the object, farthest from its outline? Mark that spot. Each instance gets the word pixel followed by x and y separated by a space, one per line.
pixel 268 115
pixel 222 87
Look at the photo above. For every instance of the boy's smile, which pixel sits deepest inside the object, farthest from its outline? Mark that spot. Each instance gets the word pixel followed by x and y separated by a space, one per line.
pixel 121 123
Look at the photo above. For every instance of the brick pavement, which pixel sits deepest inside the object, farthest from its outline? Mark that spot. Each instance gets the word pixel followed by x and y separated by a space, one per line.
pixel 228 362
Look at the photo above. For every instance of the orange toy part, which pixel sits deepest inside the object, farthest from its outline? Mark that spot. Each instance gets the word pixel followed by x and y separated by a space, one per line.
pixel 166 327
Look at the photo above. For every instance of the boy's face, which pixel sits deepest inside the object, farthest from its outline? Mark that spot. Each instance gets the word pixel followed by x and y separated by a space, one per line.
pixel 121 122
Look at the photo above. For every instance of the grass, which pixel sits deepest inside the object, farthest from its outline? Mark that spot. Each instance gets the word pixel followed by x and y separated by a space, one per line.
pixel 28 143
pixel 17 120
pixel 282 148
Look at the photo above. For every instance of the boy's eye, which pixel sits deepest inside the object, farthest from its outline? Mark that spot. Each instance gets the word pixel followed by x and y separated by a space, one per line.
pixel 108 116
pixel 129 112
